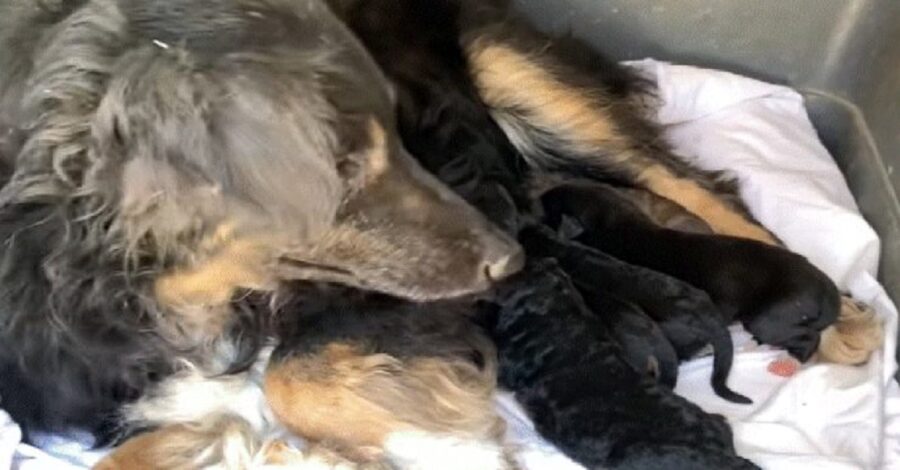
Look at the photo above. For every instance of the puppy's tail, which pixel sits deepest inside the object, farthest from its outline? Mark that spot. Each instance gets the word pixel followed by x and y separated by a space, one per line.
pixel 723 357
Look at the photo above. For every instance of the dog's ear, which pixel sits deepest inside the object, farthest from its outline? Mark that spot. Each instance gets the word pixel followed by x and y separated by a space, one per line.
pixel 162 210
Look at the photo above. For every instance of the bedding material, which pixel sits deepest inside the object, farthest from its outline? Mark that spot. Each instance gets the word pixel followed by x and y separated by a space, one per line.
pixel 823 417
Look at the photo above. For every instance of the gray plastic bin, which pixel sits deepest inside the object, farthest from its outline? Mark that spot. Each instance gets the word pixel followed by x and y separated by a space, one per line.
pixel 844 55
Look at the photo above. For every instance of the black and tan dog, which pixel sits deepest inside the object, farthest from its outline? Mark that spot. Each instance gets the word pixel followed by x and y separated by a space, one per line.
pixel 164 155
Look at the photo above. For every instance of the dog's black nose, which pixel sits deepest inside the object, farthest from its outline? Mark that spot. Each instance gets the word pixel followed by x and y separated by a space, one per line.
pixel 804 346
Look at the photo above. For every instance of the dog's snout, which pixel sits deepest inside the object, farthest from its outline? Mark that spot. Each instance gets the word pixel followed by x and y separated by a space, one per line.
pixel 505 263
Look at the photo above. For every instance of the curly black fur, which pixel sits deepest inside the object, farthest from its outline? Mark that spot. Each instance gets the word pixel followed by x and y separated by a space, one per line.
pixel 644 344
pixel 75 341
pixel 686 315
pixel 566 370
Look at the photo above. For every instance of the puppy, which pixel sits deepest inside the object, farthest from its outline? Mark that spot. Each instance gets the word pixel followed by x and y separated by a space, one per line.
pixel 664 212
pixel 779 297
pixel 687 317
pixel 566 370
pixel 643 343
pixel 165 155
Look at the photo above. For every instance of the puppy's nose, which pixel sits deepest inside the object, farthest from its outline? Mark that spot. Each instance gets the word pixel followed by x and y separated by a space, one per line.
pixel 506 264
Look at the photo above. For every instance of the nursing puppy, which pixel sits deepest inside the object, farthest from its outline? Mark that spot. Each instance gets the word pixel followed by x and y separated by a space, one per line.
pixel 687 317
pixel 643 343
pixel 566 371
pixel 564 110
pixel 170 153
pixel 769 290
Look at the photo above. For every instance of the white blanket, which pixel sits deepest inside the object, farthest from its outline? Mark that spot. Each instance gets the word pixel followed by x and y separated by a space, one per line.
pixel 825 417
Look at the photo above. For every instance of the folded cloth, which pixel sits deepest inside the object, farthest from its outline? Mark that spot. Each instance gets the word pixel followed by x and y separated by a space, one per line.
pixel 825 416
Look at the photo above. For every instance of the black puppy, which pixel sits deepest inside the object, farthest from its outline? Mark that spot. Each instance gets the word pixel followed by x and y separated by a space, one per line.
pixel 686 315
pixel 770 290
pixel 566 370
pixel 644 344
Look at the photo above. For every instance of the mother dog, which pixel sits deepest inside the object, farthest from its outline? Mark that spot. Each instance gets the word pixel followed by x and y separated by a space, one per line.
pixel 165 154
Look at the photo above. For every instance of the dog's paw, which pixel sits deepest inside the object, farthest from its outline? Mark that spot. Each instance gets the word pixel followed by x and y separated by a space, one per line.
pixel 856 335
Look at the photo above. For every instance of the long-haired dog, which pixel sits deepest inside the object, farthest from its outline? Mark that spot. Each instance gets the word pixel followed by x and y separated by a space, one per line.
pixel 556 107
pixel 164 155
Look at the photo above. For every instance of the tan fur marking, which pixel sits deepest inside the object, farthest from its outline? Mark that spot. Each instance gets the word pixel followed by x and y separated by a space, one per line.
pixel 317 398
pixel 279 454
pixel 356 401
pixel 857 333
pixel 703 203
pixel 441 396
pixel 664 212
pixel 377 160
pixel 223 441
pixel 509 79
pixel 143 452
pixel 241 263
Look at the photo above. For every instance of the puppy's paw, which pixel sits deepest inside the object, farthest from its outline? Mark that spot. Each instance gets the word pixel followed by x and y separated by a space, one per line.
pixel 857 333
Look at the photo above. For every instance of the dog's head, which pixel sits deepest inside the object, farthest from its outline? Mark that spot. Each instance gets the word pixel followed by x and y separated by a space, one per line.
pixel 238 143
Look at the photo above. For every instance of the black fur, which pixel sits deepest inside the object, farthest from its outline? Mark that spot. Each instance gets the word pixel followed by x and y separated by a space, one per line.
pixel 644 344
pixel 685 314
pixel 440 115
pixel 312 316
pixel 566 370
pixel 68 358
pixel 778 295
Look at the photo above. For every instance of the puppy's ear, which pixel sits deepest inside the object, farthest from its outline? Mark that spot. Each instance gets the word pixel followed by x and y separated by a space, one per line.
pixel 570 228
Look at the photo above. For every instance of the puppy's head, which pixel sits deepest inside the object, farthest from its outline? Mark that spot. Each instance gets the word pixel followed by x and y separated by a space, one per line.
pixel 237 143
pixel 797 308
